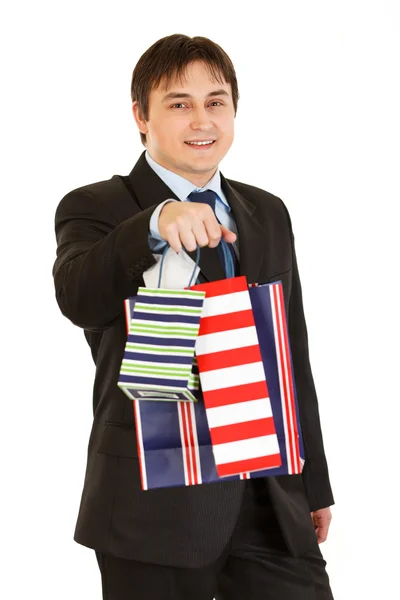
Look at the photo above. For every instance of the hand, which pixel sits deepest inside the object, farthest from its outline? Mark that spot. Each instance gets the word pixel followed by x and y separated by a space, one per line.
pixel 322 519
pixel 188 224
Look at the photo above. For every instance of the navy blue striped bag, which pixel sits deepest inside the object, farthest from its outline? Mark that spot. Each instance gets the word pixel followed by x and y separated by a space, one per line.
pixel 159 362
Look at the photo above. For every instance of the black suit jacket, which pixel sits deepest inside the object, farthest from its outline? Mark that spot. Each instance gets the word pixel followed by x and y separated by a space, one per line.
pixel 102 236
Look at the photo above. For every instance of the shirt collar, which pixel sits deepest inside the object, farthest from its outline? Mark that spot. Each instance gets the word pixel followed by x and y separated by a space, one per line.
pixel 183 187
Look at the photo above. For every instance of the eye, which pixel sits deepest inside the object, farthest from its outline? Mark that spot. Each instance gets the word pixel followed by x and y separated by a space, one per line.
pixel 182 104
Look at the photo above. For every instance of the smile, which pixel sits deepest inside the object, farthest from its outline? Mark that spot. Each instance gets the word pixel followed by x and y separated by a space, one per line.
pixel 206 143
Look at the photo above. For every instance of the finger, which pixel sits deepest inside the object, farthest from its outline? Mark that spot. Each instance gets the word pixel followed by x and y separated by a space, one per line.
pixel 228 235
pixel 173 239
pixel 188 239
pixel 183 225
pixel 322 534
pixel 200 233
pixel 213 229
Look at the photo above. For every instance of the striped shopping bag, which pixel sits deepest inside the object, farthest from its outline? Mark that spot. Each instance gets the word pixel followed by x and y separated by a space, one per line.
pixel 233 381
pixel 159 351
pixel 267 301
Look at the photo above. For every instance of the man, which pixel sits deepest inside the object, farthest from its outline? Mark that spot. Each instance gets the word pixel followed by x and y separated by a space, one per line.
pixel 244 539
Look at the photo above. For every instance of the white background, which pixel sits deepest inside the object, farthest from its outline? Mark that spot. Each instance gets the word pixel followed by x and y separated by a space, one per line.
pixel 317 125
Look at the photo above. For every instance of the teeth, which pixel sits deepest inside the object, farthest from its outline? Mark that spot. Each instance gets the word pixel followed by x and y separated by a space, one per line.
pixel 200 143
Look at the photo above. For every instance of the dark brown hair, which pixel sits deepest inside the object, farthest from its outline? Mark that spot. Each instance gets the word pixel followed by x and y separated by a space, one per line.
pixel 168 58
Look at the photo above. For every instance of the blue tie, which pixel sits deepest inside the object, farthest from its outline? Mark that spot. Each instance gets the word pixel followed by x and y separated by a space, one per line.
pixel 209 197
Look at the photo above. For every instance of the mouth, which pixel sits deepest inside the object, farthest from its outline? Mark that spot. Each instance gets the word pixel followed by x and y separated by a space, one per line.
pixel 201 145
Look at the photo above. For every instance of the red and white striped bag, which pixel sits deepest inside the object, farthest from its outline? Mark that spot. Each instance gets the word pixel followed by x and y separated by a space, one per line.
pixel 233 381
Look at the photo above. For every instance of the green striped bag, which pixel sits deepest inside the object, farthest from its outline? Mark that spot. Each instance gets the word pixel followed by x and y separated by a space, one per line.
pixel 159 362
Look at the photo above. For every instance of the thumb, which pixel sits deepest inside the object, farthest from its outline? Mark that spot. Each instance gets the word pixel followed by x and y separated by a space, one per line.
pixel 227 234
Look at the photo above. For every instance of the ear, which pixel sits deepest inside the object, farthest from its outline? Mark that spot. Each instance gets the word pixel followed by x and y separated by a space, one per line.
pixel 140 122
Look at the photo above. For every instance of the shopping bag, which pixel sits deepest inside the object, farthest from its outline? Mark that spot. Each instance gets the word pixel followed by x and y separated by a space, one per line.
pixel 233 381
pixel 159 351
pixel 268 307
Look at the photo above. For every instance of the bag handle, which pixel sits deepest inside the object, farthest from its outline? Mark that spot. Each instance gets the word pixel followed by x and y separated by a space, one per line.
pixel 227 257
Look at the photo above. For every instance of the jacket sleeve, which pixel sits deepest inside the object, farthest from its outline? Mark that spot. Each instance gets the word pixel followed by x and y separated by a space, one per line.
pixel 315 471
pixel 99 261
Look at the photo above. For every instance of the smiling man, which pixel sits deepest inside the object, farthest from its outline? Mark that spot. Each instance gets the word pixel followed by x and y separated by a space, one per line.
pixel 233 540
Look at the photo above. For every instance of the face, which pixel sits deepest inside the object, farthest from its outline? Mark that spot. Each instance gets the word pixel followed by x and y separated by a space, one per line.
pixel 198 109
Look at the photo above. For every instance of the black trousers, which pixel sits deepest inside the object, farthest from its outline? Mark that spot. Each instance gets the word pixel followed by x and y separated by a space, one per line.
pixel 255 566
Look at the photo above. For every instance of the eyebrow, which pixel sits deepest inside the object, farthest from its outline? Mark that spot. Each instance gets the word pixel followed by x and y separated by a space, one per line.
pixel 174 95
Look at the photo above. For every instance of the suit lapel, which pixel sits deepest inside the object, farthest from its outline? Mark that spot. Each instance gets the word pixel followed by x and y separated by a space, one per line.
pixel 148 187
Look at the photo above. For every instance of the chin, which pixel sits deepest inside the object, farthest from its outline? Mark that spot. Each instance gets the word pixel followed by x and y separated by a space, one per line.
pixel 203 166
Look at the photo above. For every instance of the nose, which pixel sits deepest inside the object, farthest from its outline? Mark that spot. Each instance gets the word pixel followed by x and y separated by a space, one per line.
pixel 201 119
